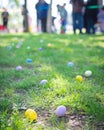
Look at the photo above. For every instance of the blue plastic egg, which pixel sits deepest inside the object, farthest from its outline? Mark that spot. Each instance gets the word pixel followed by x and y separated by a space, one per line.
pixel 29 60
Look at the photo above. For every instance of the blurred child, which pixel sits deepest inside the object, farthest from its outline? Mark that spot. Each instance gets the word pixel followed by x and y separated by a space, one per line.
pixel 5 16
pixel 63 15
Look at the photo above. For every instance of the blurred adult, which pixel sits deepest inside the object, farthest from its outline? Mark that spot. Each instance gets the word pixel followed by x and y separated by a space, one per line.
pixel 42 11
pixel 91 13
pixel 77 14
pixel 5 17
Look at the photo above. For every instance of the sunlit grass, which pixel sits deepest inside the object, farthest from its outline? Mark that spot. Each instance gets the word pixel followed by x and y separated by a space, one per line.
pixel 50 54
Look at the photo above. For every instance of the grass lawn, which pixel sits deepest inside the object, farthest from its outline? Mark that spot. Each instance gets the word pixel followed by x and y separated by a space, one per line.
pixel 46 57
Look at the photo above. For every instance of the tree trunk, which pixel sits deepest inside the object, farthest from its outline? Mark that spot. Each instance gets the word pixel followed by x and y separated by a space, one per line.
pixel 26 17
pixel 49 19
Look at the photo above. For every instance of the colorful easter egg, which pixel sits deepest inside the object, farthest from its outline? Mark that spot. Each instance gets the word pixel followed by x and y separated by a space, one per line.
pixel 79 78
pixel 29 60
pixel 44 81
pixel 60 111
pixel 31 114
pixel 19 68
pixel 70 64
pixel 49 45
pixel 40 49
pixel 88 73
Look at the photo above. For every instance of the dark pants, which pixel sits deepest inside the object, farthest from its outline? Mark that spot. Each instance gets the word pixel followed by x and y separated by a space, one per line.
pixel 44 24
pixel 77 21
pixel 5 22
pixel 90 26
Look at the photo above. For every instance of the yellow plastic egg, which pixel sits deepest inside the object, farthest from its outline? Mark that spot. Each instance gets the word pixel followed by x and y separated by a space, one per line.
pixel 79 78
pixel 49 45
pixel 31 114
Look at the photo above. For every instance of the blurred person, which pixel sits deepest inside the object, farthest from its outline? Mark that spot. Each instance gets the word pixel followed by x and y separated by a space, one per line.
pixel 91 13
pixel 63 15
pixel 5 17
pixel 100 18
pixel 42 11
pixel 77 15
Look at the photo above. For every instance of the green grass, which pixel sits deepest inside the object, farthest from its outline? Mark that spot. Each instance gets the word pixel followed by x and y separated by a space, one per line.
pixel 23 88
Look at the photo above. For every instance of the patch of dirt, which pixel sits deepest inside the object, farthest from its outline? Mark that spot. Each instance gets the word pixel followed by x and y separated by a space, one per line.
pixel 70 121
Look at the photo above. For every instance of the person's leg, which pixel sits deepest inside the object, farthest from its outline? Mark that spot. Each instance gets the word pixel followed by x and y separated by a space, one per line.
pixel 44 24
pixel 80 22
pixel 88 29
pixel 93 26
pixel 64 25
pixel 74 22
pixel 24 25
pixel 5 24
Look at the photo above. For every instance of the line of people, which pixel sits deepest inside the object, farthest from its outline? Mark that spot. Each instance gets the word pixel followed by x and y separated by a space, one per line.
pixel 84 15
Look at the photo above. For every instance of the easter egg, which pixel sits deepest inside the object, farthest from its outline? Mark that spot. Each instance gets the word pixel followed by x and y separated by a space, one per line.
pixel 41 40
pixel 49 45
pixel 28 47
pixel 29 60
pixel 40 49
pixel 9 47
pixel 31 114
pixel 19 68
pixel 70 64
pixel 60 111
pixel 20 43
pixel 88 73
pixel 79 78
pixel 44 81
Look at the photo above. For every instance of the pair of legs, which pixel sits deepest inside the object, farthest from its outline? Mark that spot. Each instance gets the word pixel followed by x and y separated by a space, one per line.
pixel 90 29
pixel 63 26
pixel 77 21
pixel 44 24
pixel 5 22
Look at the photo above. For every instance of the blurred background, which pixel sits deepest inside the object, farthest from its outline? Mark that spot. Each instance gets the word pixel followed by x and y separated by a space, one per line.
pixel 14 8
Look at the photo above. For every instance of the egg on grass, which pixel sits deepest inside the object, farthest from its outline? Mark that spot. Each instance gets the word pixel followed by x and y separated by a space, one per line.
pixel 49 44
pixel 18 46
pixel 29 60
pixel 19 68
pixel 9 47
pixel 70 64
pixel 79 78
pixel 40 49
pixel 43 82
pixel 41 40
pixel 31 114
pixel 28 47
pixel 60 111
pixel 88 73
